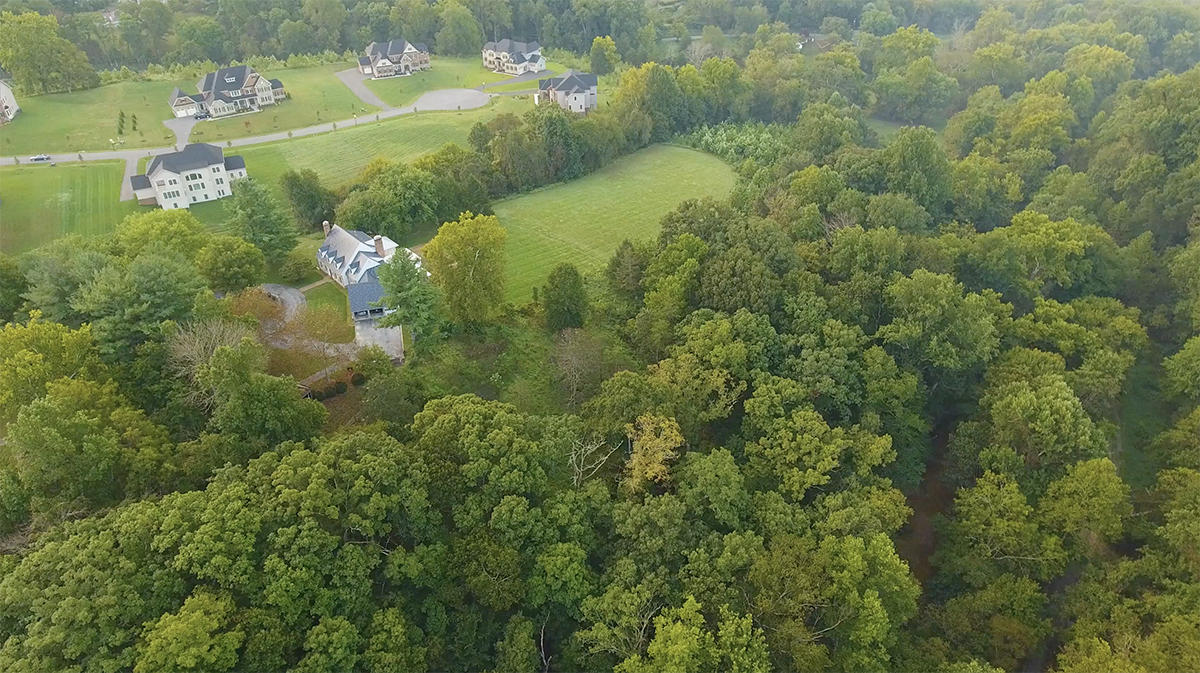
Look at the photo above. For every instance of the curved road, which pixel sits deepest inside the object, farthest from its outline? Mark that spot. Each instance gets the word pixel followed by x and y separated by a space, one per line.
pixel 445 99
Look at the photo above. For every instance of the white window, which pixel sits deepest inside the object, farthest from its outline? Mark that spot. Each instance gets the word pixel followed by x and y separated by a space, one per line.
pixel 160 183
pixel 230 80
pixel 194 176
pixel 196 186
pixel 193 199
pixel 216 169
pixel 172 181
pixel 220 192
pixel 220 181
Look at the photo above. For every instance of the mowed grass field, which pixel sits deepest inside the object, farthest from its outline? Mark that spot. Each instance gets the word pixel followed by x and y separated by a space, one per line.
pixel 87 120
pixel 584 221
pixel 444 73
pixel 315 96
pixel 339 155
pixel 41 203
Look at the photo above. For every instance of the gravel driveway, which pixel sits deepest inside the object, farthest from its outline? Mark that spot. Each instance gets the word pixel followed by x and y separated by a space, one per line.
pixel 293 300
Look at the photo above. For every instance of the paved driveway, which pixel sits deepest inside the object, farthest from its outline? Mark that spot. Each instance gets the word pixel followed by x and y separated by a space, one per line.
pixel 354 80
pixel 389 339
pixel 182 127
pixel 450 99
pixel 293 300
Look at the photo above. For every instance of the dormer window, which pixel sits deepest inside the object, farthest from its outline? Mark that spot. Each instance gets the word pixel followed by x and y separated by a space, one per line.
pixel 230 80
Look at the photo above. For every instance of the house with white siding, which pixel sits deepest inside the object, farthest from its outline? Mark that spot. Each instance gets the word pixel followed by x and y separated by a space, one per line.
pixel 198 173
pixel 351 258
pixel 572 90
pixel 8 104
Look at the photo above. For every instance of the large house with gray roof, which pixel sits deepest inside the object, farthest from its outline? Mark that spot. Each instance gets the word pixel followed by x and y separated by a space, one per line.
pixel 8 104
pixel 393 58
pixel 228 91
pixel 351 258
pixel 572 90
pixel 198 173
pixel 513 58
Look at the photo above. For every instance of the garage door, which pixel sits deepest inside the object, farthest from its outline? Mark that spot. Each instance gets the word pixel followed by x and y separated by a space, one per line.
pixel 185 112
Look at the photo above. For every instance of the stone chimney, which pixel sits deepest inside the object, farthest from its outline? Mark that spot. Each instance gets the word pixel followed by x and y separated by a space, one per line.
pixel 379 246
pixel 325 226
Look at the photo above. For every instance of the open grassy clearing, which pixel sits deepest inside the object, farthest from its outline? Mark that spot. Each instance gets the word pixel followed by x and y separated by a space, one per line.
pixel 444 73
pixel 583 221
pixel 887 128
pixel 339 155
pixel 41 203
pixel 315 96
pixel 334 295
pixel 551 70
pixel 87 120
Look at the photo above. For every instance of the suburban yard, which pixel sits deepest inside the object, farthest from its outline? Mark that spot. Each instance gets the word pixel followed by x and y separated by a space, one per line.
pixel 316 96
pixel 41 203
pixel 339 155
pixel 444 73
pixel 87 120
pixel 583 221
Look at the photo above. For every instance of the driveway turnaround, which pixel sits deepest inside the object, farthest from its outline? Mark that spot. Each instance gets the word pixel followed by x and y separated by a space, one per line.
pixel 354 81
pixel 523 77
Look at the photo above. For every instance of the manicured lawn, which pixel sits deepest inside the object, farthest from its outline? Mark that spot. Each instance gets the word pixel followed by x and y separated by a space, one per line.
pixel 305 247
pixel 41 203
pixel 339 155
pixel 315 96
pixel 332 294
pixel 87 120
pixel 583 221
pixel 444 73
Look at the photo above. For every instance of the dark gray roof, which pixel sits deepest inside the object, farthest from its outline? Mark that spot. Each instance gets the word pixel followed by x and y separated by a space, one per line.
pixel 234 162
pixel 219 81
pixel 275 84
pixel 571 81
pixel 513 47
pixel 393 47
pixel 364 293
pixel 363 60
pixel 195 155
pixel 139 181
pixel 178 93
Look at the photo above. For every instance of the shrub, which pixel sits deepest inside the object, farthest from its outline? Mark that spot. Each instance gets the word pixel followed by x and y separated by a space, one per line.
pixel 296 267
pixel 331 392
pixel 318 394
pixel 340 386
pixel 358 379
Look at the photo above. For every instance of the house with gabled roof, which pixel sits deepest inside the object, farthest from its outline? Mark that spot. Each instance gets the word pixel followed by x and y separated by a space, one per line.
pixel 8 104
pixel 351 258
pixel 512 57
pixel 393 58
pixel 199 172
pixel 228 91
pixel 572 90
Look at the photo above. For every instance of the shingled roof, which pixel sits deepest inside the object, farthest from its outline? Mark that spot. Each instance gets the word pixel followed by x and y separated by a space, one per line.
pixel 571 81
pixel 508 46
pixel 195 155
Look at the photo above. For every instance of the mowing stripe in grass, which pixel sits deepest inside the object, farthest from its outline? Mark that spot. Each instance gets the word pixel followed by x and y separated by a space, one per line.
pixel 583 222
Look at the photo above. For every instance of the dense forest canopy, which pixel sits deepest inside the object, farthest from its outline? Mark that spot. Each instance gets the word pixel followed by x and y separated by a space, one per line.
pixel 917 401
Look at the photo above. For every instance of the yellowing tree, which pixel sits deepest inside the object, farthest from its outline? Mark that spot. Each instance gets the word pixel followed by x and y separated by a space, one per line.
pixel 655 440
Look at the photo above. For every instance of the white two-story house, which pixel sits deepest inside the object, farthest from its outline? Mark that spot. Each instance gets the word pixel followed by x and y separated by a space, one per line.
pixel 513 58
pixel 572 90
pixel 228 91
pixel 194 175
pixel 393 58
pixel 8 104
